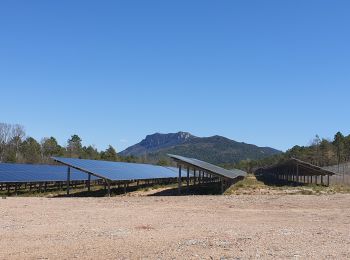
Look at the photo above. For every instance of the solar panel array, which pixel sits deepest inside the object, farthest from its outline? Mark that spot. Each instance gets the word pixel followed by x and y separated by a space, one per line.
pixel 232 174
pixel 14 172
pixel 119 171
pixel 305 168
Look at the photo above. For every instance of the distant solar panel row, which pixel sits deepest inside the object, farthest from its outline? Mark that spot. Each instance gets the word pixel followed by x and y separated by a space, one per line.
pixel 119 171
pixel 14 172
pixel 209 167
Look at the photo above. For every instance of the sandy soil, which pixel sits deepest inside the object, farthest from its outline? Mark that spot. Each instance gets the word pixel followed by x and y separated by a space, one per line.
pixel 192 227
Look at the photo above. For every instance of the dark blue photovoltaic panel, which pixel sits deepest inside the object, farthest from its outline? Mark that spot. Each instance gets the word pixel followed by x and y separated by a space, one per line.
pixel 209 167
pixel 14 172
pixel 120 171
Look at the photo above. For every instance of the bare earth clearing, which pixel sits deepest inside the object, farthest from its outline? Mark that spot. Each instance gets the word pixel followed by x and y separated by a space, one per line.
pixel 192 227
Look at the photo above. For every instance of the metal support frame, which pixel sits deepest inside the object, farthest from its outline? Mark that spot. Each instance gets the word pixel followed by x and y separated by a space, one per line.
pixel 327 180
pixel 89 182
pixel 297 172
pixel 188 179
pixel 222 185
pixel 179 180
pixel 68 180
pixel 194 176
pixel 108 188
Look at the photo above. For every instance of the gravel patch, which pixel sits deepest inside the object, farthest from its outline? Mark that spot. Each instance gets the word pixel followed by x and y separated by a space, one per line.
pixel 185 227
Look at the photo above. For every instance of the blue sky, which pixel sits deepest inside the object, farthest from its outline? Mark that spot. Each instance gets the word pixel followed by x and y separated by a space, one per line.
pixel 272 73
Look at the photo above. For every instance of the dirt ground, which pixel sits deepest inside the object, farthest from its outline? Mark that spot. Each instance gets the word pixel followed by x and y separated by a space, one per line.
pixel 188 227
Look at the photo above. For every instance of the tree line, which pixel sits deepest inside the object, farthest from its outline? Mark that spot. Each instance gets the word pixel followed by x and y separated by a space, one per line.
pixel 321 152
pixel 16 147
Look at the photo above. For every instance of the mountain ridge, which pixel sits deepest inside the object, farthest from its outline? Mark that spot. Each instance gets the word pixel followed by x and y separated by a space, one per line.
pixel 214 149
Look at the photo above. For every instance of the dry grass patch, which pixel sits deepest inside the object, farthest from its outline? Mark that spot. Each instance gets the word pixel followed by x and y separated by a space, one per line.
pixel 251 186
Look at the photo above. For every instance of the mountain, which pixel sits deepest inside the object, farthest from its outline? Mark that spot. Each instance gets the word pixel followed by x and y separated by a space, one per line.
pixel 215 149
pixel 154 143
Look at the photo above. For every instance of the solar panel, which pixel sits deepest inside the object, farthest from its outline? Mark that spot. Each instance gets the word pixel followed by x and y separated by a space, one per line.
pixel 119 171
pixel 15 172
pixel 232 174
